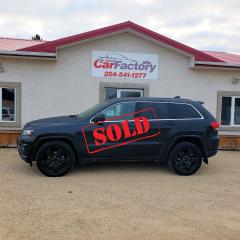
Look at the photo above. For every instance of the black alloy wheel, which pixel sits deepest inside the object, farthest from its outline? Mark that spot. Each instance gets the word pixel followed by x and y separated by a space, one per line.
pixel 185 158
pixel 55 158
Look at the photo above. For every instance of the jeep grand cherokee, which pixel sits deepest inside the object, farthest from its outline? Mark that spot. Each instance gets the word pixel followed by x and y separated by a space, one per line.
pixel 179 132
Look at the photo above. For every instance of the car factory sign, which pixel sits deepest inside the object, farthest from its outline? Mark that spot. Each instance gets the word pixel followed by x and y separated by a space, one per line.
pixel 124 65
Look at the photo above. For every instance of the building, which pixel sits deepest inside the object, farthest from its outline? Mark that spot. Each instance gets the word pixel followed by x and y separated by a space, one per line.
pixel 40 79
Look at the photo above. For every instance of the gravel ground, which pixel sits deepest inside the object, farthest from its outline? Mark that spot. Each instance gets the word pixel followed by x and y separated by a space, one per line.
pixel 120 201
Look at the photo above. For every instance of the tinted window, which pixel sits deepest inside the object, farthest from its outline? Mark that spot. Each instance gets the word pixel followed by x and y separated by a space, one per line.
pixel 160 109
pixel 120 109
pixel 7 102
pixel 237 111
pixel 183 111
pixel 226 110
pixel 4 111
pixel 111 93
pixel 129 93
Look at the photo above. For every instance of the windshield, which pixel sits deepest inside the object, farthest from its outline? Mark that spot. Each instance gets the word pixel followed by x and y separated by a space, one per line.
pixel 90 110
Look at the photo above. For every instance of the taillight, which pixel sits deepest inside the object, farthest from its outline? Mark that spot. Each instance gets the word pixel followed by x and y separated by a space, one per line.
pixel 215 125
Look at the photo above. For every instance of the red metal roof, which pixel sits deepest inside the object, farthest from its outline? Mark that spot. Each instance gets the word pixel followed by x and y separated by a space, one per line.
pixel 12 44
pixel 226 57
pixel 50 47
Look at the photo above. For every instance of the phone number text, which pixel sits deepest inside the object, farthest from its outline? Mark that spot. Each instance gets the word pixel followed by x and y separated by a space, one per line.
pixel 125 74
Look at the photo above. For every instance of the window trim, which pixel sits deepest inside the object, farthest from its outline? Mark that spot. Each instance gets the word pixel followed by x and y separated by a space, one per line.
pixel 201 116
pixel 220 95
pixel 170 119
pixel 17 122
pixel 136 90
pixel 120 85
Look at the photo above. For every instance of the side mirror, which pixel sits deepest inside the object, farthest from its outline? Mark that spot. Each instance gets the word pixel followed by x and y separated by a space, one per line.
pixel 99 117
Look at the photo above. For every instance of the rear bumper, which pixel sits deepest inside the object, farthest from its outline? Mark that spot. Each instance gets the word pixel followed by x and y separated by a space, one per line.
pixel 212 153
pixel 25 150
pixel 213 146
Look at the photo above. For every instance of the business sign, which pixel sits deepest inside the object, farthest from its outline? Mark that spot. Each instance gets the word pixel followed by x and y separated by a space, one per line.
pixel 124 65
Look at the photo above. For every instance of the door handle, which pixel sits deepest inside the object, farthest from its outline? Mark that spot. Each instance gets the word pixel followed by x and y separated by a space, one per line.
pixel 100 123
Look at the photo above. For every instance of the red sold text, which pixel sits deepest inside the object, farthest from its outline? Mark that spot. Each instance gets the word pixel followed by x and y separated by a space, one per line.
pixel 117 132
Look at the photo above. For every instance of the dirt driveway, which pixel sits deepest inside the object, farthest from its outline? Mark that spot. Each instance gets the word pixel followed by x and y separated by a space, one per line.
pixel 120 201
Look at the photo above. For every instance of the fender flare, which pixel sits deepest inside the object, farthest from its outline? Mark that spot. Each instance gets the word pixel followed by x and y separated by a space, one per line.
pixel 64 138
pixel 187 136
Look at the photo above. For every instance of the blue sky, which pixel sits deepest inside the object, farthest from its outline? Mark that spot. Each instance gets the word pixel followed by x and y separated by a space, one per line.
pixel 205 24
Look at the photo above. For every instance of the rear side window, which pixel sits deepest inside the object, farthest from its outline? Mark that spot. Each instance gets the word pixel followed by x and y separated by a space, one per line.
pixel 161 110
pixel 183 111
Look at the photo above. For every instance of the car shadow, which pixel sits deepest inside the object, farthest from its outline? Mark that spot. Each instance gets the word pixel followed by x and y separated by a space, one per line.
pixel 121 167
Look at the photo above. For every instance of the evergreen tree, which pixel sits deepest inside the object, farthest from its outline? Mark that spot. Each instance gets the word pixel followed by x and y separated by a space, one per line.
pixel 36 37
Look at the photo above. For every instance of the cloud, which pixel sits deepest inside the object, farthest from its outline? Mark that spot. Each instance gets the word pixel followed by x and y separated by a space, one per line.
pixel 211 25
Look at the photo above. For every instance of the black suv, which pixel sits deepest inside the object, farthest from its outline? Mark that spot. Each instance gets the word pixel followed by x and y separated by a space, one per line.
pixel 180 132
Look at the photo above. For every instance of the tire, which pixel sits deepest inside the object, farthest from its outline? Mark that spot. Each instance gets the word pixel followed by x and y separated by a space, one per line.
pixel 185 158
pixel 55 158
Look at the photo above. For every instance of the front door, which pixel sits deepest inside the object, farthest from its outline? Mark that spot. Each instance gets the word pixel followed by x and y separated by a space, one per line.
pixel 112 146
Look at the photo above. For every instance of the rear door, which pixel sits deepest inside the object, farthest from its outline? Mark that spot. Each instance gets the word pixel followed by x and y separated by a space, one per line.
pixel 152 147
pixel 189 119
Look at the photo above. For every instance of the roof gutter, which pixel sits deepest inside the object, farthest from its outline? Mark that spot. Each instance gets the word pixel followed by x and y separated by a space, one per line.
pixel 216 64
pixel 28 54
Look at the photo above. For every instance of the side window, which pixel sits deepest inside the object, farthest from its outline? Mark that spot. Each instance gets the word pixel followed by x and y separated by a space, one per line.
pixel 7 102
pixel 230 110
pixel 10 104
pixel 183 111
pixel 125 110
pixel 161 110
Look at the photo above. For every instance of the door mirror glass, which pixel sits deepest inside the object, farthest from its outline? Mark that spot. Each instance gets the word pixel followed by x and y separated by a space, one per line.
pixel 99 117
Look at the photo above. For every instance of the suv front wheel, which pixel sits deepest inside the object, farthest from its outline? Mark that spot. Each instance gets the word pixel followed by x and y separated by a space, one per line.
pixel 185 158
pixel 55 158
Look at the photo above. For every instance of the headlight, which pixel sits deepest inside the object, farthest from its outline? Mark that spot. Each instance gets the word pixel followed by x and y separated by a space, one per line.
pixel 28 132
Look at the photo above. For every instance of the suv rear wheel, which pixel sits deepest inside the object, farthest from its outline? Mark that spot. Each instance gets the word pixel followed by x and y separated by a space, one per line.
pixel 55 158
pixel 185 158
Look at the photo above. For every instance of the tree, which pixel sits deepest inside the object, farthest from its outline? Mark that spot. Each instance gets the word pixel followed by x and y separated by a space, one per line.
pixel 36 37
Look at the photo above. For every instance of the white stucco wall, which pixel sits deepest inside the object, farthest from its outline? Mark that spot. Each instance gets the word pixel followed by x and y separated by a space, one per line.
pixel 65 86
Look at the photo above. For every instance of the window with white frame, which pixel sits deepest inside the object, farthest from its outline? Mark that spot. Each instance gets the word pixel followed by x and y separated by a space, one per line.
pixel 10 104
pixel 230 114
pixel 7 104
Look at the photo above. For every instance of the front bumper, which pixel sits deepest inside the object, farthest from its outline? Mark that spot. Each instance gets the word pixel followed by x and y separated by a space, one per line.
pixel 25 150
